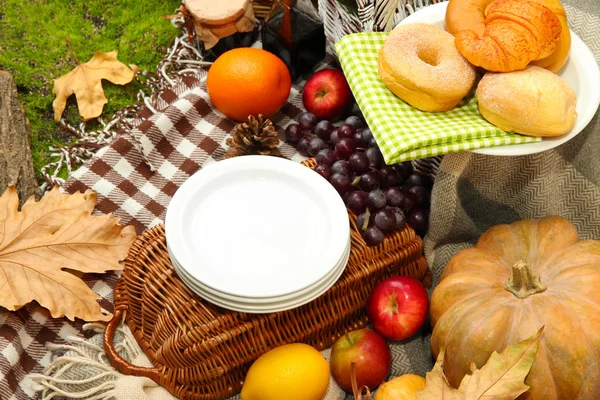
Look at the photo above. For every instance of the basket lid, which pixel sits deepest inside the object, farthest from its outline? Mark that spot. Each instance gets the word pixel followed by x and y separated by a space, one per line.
pixel 216 12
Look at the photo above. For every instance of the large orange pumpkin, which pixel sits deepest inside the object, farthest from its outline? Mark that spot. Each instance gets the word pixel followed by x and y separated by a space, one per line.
pixel 517 278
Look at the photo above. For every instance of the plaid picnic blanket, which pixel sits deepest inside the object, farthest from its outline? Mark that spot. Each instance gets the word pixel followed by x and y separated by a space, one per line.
pixel 135 178
pixel 138 174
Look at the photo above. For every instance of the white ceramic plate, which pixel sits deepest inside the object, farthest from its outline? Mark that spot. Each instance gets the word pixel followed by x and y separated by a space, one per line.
pixel 276 306
pixel 580 71
pixel 255 306
pixel 262 309
pixel 318 287
pixel 257 226
pixel 266 300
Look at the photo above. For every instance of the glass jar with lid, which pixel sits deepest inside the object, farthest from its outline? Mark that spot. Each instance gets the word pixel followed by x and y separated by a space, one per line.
pixel 223 25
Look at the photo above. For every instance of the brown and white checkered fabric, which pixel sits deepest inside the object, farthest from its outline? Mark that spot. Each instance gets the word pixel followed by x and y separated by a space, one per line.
pixel 25 333
pixel 138 174
pixel 135 178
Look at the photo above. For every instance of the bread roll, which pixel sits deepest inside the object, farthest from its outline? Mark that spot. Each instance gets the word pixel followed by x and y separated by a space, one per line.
pixel 534 102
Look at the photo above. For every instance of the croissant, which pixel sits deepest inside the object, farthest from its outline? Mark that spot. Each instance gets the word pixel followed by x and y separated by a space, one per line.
pixel 516 33
pixel 470 14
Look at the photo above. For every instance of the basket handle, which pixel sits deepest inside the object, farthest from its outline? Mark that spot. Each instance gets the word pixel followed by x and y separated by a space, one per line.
pixel 120 364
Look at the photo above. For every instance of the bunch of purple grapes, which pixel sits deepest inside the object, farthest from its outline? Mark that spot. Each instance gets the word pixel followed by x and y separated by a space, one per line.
pixel 383 197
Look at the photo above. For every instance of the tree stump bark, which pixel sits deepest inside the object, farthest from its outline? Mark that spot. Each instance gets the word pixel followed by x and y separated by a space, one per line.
pixel 16 165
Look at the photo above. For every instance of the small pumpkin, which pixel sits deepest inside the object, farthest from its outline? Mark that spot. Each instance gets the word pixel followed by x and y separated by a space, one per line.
pixel 516 279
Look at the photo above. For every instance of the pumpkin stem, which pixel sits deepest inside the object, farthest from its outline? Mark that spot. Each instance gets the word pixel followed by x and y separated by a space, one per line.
pixel 523 281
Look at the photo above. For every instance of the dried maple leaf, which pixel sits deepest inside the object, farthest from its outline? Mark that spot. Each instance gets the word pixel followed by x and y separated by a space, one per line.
pixel 46 237
pixel 437 386
pixel 86 82
pixel 501 378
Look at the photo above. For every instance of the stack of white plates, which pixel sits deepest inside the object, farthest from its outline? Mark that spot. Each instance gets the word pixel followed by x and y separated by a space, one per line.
pixel 258 234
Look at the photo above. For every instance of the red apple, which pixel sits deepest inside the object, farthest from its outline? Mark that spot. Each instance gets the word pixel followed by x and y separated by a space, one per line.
pixel 370 353
pixel 327 95
pixel 397 307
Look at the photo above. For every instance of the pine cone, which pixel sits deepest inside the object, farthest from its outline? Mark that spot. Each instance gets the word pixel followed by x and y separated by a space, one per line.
pixel 257 136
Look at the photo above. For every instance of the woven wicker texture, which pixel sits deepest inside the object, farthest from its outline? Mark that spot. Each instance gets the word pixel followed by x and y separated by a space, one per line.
pixel 201 351
pixel 372 16
pixel 262 8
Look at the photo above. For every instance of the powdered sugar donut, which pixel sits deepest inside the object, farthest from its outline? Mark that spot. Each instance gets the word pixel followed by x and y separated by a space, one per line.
pixel 420 64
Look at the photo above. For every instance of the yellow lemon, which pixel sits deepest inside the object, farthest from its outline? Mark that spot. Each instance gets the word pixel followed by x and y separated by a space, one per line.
pixel 293 372
pixel 404 387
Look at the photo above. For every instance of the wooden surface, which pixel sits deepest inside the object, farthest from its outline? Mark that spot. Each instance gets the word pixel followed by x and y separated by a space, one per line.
pixel 16 166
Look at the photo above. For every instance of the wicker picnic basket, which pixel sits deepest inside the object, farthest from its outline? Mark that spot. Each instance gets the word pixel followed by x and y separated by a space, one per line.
pixel 201 351
pixel 262 8
pixel 368 16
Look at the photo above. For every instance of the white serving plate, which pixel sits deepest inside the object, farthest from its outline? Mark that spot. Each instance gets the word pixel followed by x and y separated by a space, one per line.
pixel 580 71
pixel 266 300
pixel 260 309
pixel 276 306
pixel 257 226
pixel 253 306
pixel 325 282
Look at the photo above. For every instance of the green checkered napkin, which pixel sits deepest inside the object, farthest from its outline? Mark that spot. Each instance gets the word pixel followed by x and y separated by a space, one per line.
pixel 401 131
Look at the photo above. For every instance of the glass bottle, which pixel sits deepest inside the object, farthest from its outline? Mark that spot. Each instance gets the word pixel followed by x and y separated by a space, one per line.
pixel 294 37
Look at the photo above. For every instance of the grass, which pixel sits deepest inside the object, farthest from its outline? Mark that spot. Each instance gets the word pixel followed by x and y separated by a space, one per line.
pixel 33 49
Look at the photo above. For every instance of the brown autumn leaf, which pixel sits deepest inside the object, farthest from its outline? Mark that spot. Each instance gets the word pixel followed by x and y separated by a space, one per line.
pixel 85 81
pixel 501 378
pixel 46 237
pixel 437 386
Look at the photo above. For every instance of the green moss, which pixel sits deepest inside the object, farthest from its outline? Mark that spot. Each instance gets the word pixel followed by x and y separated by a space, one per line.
pixel 33 48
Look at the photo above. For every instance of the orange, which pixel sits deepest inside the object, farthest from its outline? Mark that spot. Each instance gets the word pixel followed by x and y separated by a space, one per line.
pixel 248 81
